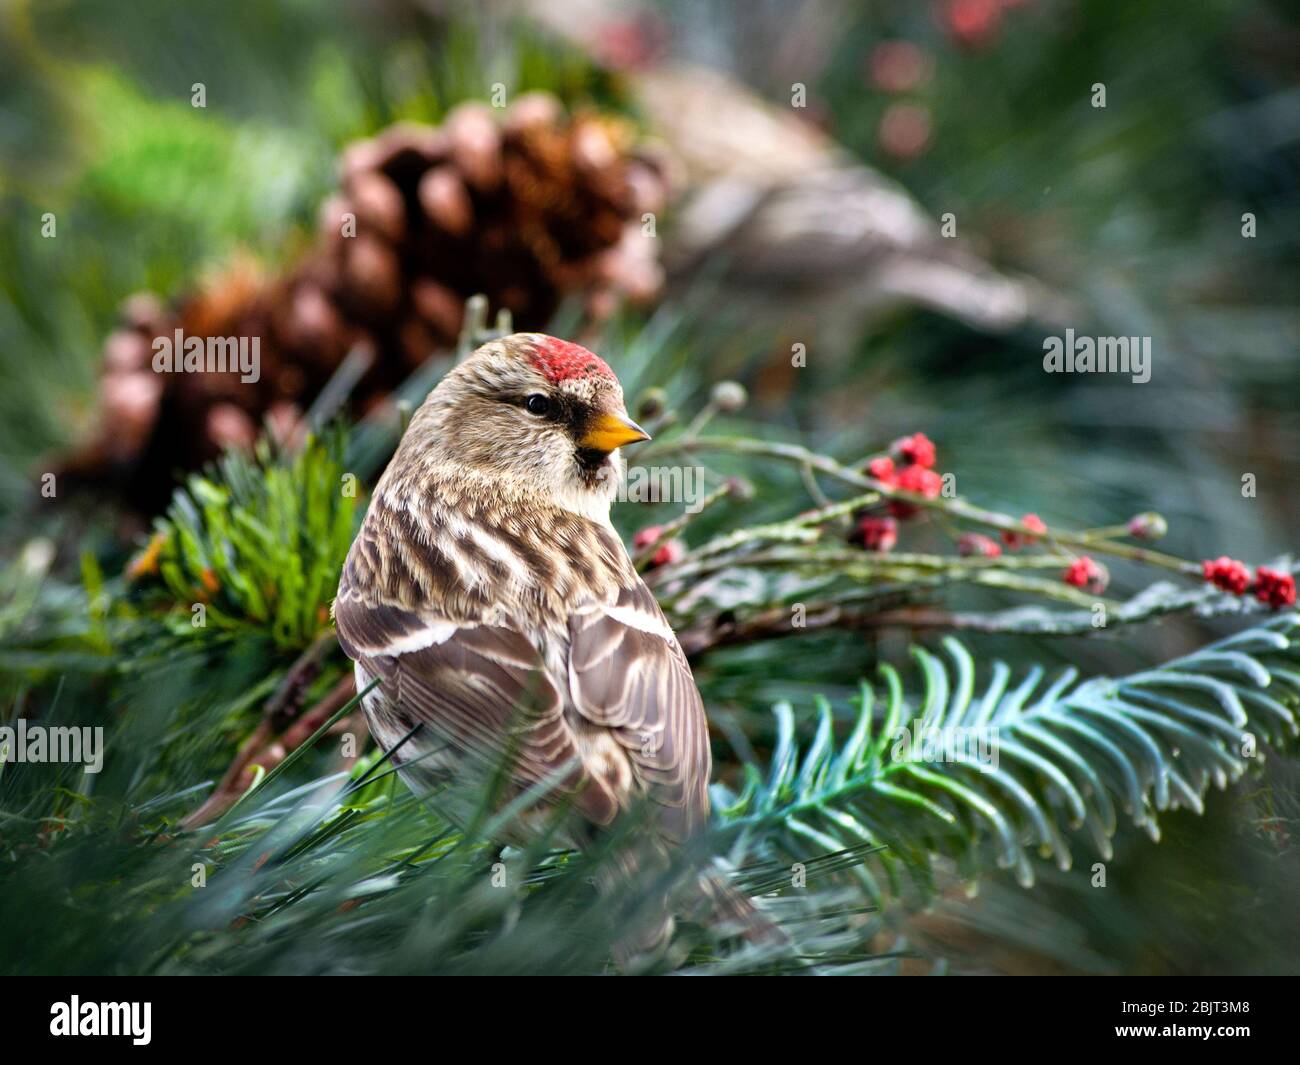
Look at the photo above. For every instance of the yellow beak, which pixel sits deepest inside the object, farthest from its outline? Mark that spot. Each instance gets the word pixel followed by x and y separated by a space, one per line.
pixel 609 431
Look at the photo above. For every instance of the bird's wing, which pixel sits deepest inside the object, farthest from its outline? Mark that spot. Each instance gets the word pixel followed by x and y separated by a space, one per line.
pixel 627 673
pixel 808 230
pixel 482 688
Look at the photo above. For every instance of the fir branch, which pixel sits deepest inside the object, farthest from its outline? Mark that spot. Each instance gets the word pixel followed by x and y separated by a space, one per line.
pixel 1050 760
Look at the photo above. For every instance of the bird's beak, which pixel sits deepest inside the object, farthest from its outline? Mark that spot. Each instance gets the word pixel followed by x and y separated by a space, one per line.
pixel 609 431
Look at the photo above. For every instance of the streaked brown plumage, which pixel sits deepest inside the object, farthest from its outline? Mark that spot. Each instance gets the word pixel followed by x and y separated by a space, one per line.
pixel 490 595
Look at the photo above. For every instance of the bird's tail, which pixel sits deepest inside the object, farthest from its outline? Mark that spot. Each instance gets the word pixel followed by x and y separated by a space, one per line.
pixel 709 899
pixel 729 911
pixel 646 926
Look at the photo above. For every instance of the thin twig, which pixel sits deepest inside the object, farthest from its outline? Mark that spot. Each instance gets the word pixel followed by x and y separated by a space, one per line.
pixel 666 532
pixel 956 507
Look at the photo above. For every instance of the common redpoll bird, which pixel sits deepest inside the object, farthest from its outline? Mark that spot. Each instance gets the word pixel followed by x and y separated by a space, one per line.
pixel 489 594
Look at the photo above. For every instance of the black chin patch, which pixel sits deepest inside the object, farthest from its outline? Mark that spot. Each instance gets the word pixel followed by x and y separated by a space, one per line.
pixel 591 459
pixel 593 467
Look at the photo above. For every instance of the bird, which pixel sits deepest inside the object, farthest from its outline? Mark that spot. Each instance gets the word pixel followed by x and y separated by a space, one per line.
pixel 787 227
pixel 778 207
pixel 489 595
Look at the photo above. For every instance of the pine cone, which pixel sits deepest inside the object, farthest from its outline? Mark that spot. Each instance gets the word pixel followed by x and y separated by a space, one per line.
pixel 527 207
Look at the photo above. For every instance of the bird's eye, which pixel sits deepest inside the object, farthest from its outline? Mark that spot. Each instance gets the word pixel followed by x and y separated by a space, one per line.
pixel 538 404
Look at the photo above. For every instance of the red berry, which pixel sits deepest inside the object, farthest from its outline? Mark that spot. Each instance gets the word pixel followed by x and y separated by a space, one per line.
pixel 882 470
pixel 919 480
pixel 1227 573
pixel 1033 523
pixel 645 537
pixel 973 23
pixel 916 450
pixel 668 553
pixel 977 544
pixel 1084 573
pixel 1274 588
pixel 875 534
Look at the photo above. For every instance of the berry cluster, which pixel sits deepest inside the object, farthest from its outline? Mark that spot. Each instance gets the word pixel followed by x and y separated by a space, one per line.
pixel 1087 574
pixel 1274 588
pixel 1271 587
pixel 909 466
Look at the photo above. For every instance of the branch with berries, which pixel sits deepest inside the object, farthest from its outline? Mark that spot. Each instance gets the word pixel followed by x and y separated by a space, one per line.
pixel 849 574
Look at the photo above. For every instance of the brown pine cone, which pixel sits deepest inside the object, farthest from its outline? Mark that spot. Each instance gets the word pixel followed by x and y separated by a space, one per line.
pixel 525 205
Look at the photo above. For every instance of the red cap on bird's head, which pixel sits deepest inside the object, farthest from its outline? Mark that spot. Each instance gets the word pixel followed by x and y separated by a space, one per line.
pixel 559 360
